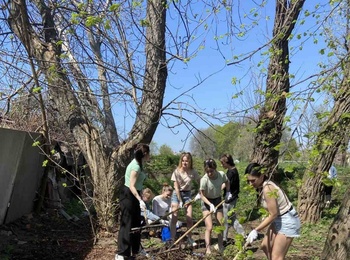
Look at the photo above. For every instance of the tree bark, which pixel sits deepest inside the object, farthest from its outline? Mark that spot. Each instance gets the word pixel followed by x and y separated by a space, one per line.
pixel 270 124
pixel 337 246
pixel 107 165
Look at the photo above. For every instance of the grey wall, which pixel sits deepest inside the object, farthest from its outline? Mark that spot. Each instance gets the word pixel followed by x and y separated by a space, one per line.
pixel 20 173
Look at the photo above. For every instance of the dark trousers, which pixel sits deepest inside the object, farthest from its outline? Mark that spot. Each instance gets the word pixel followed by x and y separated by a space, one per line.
pixel 130 217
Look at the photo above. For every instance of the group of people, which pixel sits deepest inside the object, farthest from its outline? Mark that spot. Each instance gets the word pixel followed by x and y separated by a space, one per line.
pixel 218 192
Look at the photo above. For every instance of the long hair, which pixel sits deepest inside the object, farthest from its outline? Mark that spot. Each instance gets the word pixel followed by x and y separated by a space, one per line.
pixel 227 158
pixel 140 151
pixel 189 157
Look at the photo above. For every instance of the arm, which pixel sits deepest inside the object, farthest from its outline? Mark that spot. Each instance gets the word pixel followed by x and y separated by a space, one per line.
pixel 133 178
pixel 155 207
pixel 272 207
pixel 177 191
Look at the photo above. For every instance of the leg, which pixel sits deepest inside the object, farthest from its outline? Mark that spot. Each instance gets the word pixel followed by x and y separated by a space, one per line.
pixel 267 242
pixel 208 229
pixel 280 247
pixel 226 220
pixel 219 217
pixel 189 220
pixel 174 206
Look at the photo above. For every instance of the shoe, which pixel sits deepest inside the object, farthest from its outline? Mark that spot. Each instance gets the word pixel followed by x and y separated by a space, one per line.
pixel 119 257
pixel 191 242
pixel 144 253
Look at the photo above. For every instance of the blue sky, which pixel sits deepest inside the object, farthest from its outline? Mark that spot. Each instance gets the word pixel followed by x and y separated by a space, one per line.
pixel 217 91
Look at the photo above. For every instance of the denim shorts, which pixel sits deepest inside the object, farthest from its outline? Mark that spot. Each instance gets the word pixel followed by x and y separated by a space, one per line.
pixel 185 196
pixel 288 224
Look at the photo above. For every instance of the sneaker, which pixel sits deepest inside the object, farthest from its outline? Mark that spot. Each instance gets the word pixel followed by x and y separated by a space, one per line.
pixel 191 242
pixel 119 257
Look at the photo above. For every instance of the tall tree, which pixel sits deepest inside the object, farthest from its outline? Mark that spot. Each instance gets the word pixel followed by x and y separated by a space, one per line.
pixel 105 155
pixel 335 124
pixel 271 119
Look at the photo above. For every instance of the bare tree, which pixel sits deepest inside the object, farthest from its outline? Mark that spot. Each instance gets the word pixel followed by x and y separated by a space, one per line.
pixel 99 63
pixel 271 119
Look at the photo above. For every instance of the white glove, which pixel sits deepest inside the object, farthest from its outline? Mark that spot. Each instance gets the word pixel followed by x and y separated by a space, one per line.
pixel 142 205
pixel 252 236
pixel 228 196
pixel 164 222
pixel 212 208
pixel 181 204
pixel 198 197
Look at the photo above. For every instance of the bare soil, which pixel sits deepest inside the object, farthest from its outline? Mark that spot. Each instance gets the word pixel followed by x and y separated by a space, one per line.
pixel 51 236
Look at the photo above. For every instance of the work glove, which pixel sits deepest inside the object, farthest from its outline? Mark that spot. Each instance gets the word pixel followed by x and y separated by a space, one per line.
pixel 164 222
pixel 228 197
pixel 142 205
pixel 198 197
pixel 181 205
pixel 212 208
pixel 252 236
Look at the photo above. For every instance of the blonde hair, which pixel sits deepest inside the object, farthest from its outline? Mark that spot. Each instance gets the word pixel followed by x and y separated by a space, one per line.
pixel 189 157
pixel 167 187
pixel 147 194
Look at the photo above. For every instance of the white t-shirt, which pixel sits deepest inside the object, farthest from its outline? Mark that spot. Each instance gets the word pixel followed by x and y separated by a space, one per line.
pixel 160 205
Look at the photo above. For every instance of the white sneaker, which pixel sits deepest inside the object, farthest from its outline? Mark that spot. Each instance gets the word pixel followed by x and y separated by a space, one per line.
pixel 119 257
pixel 191 242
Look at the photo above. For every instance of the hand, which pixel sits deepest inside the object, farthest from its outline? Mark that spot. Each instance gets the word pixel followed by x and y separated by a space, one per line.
pixel 198 197
pixel 212 208
pixel 164 222
pixel 181 205
pixel 142 205
pixel 228 197
pixel 252 236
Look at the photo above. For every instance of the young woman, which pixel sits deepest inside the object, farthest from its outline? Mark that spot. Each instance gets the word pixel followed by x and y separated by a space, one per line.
pixel 183 176
pixel 282 223
pixel 161 203
pixel 131 204
pixel 210 191
pixel 233 178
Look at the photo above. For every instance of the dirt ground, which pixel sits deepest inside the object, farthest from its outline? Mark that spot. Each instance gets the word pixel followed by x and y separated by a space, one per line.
pixel 50 236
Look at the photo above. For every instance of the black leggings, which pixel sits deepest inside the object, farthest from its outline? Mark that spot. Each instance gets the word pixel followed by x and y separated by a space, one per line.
pixel 130 217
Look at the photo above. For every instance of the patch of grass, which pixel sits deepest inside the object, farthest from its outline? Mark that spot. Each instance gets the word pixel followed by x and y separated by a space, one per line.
pixel 74 207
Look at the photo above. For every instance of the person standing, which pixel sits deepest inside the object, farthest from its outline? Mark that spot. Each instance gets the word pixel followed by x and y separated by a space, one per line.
pixel 233 178
pixel 210 192
pixel 332 174
pixel 131 204
pixel 283 223
pixel 183 176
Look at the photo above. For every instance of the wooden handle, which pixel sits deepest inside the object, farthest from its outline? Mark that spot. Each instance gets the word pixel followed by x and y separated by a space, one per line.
pixel 195 225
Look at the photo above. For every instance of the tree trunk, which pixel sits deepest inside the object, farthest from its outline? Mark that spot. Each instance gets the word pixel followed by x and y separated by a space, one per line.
pixel 271 118
pixel 337 246
pixel 107 165
pixel 328 141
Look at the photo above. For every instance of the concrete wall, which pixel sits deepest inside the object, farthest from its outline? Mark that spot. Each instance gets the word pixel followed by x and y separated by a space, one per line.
pixel 20 173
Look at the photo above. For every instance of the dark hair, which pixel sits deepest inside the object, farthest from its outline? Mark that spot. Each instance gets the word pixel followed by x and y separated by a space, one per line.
pixel 209 163
pixel 254 169
pixel 189 157
pixel 227 158
pixel 140 151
